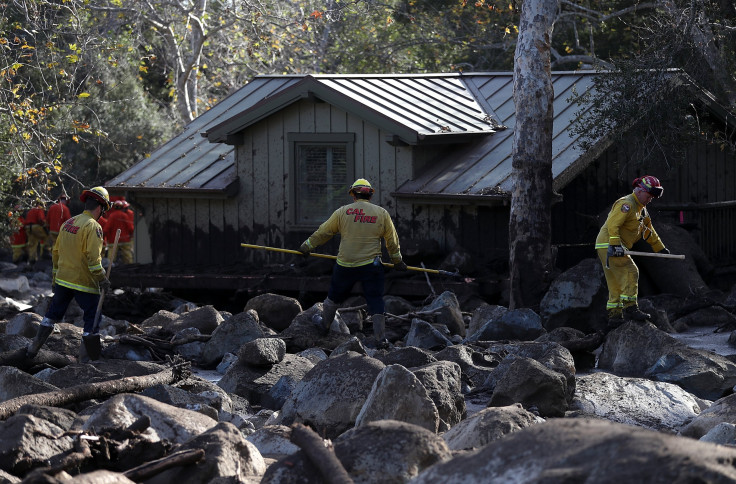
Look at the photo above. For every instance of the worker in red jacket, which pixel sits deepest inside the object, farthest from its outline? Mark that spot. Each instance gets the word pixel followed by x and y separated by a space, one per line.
pixel 57 214
pixel 35 225
pixel 119 219
pixel 19 239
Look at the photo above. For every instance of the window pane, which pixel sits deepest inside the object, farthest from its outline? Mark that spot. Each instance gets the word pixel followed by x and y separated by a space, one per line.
pixel 322 180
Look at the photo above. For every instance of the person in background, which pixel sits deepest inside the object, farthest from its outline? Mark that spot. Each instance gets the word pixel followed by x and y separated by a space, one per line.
pixel 119 219
pixel 36 232
pixel 57 214
pixel 361 226
pixel 627 223
pixel 77 272
pixel 19 239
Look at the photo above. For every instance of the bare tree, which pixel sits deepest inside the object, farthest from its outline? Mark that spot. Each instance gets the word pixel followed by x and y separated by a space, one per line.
pixel 530 229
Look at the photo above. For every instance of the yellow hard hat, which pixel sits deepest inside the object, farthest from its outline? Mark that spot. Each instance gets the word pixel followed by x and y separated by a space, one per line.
pixel 98 193
pixel 361 185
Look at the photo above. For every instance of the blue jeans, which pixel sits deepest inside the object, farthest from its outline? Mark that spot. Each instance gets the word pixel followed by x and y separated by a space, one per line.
pixel 370 276
pixel 60 302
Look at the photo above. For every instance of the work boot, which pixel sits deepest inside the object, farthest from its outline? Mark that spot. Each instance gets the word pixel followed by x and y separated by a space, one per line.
pixel 379 327
pixel 44 331
pixel 329 308
pixel 92 346
pixel 633 313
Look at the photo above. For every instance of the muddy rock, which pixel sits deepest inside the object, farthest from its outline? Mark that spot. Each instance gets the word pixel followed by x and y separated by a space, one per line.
pixel 331 395
pixel 262 352
pixel 162 318
pixel 399 395
pixel 230 336
pixel 488 425
pixel 226 455
pixel 523 380
pixel 520 324
pixel 382 452
pixel 475 365
pixel 722 410
pixel 177 425
pixel 24 324
pixel 426 336
pixel 273 441
pixel 586 450
pixel 352 344
pixel 408 356
pixel 443 382
pixel 446 311
pixel 274 310
pixel 576 298
pixel 15 383
pixel 60 417
pixel 254 382
pixel 181 398
pixel 635 401
pixel 29 442
pixel 102 370
pixel 484 314
pixel 645 351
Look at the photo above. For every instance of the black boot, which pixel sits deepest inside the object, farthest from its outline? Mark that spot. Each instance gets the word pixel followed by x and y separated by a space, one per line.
pixel 41 336
pixel 633 313
pixel 329 308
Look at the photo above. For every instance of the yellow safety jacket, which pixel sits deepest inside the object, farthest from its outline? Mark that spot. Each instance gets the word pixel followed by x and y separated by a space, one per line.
pixel 627 222
pixel 77 254
pixel 361 226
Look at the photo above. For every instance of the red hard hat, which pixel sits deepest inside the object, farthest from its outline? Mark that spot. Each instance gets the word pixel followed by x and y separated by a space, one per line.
pixel 649 184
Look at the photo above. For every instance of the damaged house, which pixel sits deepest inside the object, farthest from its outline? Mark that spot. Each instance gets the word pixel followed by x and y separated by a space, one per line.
pixel 272 161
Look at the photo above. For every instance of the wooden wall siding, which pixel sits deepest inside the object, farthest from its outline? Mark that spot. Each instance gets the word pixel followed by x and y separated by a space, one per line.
pixel 264 211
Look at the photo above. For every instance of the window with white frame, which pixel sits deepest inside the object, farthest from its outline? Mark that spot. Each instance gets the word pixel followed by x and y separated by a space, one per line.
pixel 323 170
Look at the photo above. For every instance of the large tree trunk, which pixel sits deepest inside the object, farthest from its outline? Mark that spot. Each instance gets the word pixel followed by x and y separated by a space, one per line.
pixel 530 229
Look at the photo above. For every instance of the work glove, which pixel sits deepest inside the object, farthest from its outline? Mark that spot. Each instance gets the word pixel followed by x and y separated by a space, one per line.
pixel 400 266
pixel 304 249
pixel 615 251
pixel 104 285
pixel 664 251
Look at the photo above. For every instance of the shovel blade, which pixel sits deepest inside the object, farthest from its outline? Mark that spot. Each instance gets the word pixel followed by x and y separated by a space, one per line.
pixel 93 345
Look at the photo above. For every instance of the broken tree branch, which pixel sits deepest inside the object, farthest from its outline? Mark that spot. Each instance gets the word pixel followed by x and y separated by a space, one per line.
pixel 321 454
pixel 177 459
pixel 79 393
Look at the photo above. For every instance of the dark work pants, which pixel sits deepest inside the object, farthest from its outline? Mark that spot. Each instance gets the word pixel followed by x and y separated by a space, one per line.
pixel 63 297
pixel 370 276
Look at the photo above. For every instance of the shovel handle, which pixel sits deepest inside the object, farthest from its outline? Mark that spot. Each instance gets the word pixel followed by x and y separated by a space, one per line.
pixel 98 313
pixel 327 256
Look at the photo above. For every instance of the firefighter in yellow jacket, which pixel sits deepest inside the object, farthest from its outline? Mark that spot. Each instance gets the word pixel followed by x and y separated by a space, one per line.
pixel 627 222
pixel 361 226
pixel 77 270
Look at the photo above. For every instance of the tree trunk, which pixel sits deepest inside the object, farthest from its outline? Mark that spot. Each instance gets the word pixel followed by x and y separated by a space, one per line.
pixel 105 389
pixel 530 229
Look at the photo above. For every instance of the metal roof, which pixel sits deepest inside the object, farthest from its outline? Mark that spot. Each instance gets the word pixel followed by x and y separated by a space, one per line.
pixel 484 168
pixel 419 108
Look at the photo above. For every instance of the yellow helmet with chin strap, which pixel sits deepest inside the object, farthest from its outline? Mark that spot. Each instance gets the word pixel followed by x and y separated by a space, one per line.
pixel 98 193
pixel 361 185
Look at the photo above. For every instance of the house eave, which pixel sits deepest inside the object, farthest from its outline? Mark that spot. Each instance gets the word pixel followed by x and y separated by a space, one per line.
pixel 455 198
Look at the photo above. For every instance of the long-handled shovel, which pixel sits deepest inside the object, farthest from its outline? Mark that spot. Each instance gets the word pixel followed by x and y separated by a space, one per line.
pixel 654 254
pixel 92 341
pixel 327 256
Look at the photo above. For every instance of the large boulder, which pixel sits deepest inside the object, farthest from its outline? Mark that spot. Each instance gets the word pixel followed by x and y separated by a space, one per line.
pixel 226 455
pixel 475 365
pixel 16 383
pixel 519 325
pixel 488 425
pixel 331 395
pixel 229 336
pixel 635 401
pixel 28 442
pixel 645 351
pixel 382 452
pixel 445 310
pixel 399 395
pixel 177 425
pixel 443 381
pixel 255 382
pixel 588 450
pixel 274 310
pixel 722 410
pixel 577 298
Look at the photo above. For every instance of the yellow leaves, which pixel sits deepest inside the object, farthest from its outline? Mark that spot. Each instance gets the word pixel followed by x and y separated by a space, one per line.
pixel 389 20
pixel 143 69
pixel 75 138
pixel 568 49
pixel 73 58
pixel 80 125
pixel 83 95
pixel 62 72
pixel 26 136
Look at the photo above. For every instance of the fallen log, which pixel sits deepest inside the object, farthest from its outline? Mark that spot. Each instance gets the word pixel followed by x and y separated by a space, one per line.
pixel 179 370
pixel 320 454
pixel 18 359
